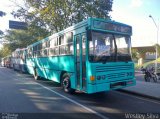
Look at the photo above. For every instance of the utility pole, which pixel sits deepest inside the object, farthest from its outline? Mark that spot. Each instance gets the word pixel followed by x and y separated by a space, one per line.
pixel 157 28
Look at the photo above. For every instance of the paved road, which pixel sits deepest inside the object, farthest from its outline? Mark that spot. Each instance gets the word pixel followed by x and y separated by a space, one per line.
pixel 20 94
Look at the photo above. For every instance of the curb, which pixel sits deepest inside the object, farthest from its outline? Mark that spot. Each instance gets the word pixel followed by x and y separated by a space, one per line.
pixel 139 94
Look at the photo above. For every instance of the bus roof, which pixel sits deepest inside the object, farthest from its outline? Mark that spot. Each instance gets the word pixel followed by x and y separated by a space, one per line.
pixel 90 23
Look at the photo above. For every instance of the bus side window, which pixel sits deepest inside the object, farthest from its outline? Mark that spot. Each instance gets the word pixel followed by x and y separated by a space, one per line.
pixel 61 45
pixel 84 44
pixel 69 49
pixel 52 42
pixel 77 44
pixel 56 50
pixel 68 37
pixel 61 40
pixel 91 47
pixel 45 49
pixel 43 45
pixel 29 53
pixel 69 43
pixel 62 49
pixel 51 52
pixel 34 51
pixel 44 52
pixel 53 47
pixel 48 44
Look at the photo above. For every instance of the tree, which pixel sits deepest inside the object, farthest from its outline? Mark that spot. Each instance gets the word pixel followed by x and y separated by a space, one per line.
pixel 135 54
pixel 5 51
pixel 1 15
pixel 21 39
pixel 1 33
pixel 139 53
pixel 56 15
pixel 158 48
pixel 47 16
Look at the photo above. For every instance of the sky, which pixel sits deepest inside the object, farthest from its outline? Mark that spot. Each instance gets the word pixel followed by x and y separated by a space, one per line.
pixel 7 7
pixel 132 12
pixel 136 13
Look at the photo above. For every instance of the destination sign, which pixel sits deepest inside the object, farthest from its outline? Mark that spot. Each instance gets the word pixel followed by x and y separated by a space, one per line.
pixel 112 27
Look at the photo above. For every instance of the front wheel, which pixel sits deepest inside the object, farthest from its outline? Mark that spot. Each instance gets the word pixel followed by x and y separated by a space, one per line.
pixel 66 84
pixel 155 78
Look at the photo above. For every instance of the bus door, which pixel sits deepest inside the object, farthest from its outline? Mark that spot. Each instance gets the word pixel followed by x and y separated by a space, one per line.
pixel 81 61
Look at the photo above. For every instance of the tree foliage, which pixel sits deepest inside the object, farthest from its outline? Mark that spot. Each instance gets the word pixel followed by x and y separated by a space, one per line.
pixel 5 51
pixel 2 13
pixel 158 48
pixel 134 53
pixel 21 38
pixel 48 16
pixel 56 15
pixel 1 33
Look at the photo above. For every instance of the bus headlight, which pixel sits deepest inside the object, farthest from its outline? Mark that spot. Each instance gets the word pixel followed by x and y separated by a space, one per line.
pixel 101 77
pixel 98 77
pixel 129 74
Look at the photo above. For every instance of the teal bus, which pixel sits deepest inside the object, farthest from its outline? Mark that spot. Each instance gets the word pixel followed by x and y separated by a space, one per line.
pixel 91 56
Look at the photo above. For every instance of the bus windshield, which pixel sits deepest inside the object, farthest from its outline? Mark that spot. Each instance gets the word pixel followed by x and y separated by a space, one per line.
pixel 107 47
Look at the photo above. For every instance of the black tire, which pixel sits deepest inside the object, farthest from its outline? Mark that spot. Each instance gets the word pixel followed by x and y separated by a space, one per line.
pixel 155 78
pixel 36 77
pixel 66 85
pixel 147 79
pixel 14 68
pixel 20 69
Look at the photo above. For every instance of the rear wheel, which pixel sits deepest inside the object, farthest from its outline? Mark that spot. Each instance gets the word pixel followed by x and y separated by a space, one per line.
pixel 66 84
pixel 20 69
pixel 14 68
pixel 147 78
pixel 36 77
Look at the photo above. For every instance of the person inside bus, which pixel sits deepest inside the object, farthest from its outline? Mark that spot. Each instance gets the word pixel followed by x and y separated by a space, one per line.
pixel 102 48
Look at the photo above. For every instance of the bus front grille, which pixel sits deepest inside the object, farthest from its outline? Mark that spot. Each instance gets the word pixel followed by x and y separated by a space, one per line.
pixel 117 75
pixel 113 68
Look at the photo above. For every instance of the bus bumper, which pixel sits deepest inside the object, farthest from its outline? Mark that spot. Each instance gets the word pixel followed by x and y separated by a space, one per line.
pixel 94 88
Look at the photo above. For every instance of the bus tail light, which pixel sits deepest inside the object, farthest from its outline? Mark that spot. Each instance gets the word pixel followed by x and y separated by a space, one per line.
pixel 92 78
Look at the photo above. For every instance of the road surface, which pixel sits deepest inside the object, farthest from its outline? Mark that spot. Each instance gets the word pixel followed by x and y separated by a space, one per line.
pixel 23 97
